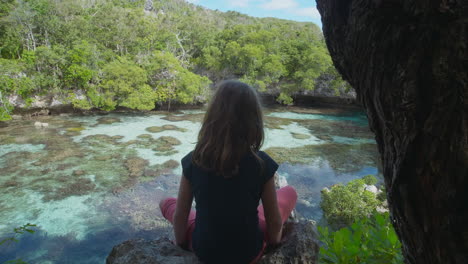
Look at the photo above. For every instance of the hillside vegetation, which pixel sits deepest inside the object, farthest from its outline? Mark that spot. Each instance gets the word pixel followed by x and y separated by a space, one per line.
pixel 138 54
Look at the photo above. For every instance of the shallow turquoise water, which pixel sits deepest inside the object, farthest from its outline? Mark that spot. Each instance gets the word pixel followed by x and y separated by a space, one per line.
pixel 90 182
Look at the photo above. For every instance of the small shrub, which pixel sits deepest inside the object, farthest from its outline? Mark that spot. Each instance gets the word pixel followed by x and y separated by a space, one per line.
pixel 370 179
pixel 369 240
pixel 285 99
pixel 343 205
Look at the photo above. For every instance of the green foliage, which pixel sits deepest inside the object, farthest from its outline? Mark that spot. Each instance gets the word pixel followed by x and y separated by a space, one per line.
pixel 58 48
pixel 171 80
pixel 370 240
pixel 125 83
pixel 285 99
pixel 345 204
pixel 18 231
pixel 370 179
pixel 5 109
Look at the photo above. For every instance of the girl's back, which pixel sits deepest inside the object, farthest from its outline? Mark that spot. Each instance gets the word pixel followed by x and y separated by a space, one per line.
pixel 228 175
pixel 226 225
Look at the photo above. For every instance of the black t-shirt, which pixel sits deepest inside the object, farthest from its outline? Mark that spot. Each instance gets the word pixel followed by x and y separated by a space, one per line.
pixel 226 226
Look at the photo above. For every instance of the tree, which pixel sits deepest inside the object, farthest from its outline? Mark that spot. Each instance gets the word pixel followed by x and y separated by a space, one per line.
pixel 407 62
pixel 126 84
pixel 171 81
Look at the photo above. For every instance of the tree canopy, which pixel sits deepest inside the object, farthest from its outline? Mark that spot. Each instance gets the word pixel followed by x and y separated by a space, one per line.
pixel 138 54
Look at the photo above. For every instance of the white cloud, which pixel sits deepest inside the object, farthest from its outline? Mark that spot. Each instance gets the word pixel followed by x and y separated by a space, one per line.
pixel 279 4
pixel 239 3
pixel 311 12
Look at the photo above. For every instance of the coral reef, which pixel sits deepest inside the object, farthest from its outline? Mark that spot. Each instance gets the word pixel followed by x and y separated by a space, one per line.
pixel 341 157
pixel 196 118
pixel 107 120
pixel 170 141
pixel 135 166
pixel 276 122
pixel 157 129
pixel 300 136
pixel 159 169
pixel 154 129
pixel 79 186
pixel 172 127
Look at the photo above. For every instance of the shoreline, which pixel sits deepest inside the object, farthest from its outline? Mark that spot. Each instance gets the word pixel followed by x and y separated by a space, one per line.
pixel 268 102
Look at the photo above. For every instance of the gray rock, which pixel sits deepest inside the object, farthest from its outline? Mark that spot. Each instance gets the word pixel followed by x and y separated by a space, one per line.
pixel 140 251
pixel 300 247
pixel 16 101
pixel 372 189
pixel 40 102
pixel 55 102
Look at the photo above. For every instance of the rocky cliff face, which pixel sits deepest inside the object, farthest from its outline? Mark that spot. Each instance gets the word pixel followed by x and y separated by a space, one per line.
pixel 300 247
pixel 408 62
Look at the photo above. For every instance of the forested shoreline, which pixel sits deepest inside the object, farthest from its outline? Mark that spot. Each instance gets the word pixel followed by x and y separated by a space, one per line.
pixel 105 54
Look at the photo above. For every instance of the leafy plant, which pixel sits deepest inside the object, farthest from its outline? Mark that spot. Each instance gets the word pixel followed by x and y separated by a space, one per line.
pixel 27 228
pixel 344 204
pixel 369 240
pixel 370 179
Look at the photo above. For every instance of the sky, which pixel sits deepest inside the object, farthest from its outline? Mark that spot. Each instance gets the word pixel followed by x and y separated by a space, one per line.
pixel 298 10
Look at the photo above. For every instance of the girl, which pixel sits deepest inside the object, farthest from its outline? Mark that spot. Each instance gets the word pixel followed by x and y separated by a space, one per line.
pixel 228 175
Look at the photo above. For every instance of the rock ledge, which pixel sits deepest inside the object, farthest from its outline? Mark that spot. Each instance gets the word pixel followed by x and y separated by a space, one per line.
pixel 300 247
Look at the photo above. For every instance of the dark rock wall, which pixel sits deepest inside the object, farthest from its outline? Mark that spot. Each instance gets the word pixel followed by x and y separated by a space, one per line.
pixel 408 62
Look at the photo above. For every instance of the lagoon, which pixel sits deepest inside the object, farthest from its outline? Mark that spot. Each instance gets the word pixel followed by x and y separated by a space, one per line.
pixel 90 182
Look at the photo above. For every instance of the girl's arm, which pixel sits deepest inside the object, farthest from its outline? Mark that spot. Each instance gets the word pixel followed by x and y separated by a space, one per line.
pixel 274 224
pixel 183 206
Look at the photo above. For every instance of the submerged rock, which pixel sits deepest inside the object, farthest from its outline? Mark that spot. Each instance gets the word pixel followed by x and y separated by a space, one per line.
pixel 300 136
pixel 176 128
pixel 276 122
pixel 170 141
pixel 75 129
pixel 135 166
pixel 154 129
pixel 340 157
pixel 78 172
pixel 145 136
pixel 41 125
pixel 78 187
pixel 160 169
pixel 300 247
pixel 185 117
pixel 157 129
pixel 108 120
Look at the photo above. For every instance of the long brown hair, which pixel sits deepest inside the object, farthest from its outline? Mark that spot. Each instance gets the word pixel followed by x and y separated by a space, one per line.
pixel 232 127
